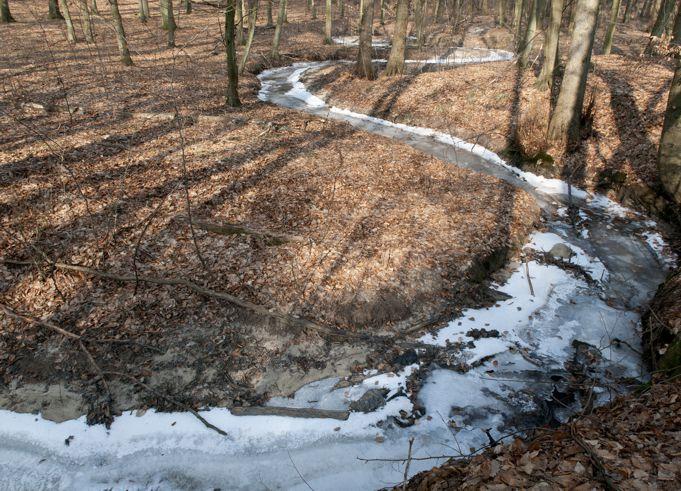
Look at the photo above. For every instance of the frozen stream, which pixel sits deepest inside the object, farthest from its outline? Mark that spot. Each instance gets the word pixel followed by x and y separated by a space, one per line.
pixel 509 387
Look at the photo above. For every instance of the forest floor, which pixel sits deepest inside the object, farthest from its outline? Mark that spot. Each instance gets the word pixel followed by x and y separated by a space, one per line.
pixel 101 167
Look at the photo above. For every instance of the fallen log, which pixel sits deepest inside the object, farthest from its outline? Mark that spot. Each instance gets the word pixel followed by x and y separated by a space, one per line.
pixel 291 412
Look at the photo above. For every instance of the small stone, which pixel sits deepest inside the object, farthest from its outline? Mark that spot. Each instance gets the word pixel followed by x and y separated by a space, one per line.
pixel 561 251
pixel 370 401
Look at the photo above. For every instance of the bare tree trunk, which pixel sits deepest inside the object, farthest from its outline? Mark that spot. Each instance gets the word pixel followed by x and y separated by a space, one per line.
pixel 676 30
pixel 328 23
pixel 669 161
pixel 143 12
pixel 270 20
pixel 252 18
pixel 610 33
pixel 120 33
pixel 545 80
pixel 86 20
pixel 5 14
pixel 230 48
pixel 239 22
pixel 313 8
pixel 168 23
pixel 501 12
pixel 53 10
pixel 70 31
pixel 341 9
pixel 564 125
pixel 663 14
pixel 93 7
pixel 518 8
pixel 528 38
pixel 364 68
pixel 277 30
pixel 399 42
pixel 419 21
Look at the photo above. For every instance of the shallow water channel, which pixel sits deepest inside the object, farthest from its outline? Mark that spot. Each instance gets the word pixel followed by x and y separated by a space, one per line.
pixel 563 325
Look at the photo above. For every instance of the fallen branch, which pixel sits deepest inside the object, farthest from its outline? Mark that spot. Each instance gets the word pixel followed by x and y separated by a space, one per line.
pixel 601 471
pixel 270 238
pixel 170 400
pixel 292 412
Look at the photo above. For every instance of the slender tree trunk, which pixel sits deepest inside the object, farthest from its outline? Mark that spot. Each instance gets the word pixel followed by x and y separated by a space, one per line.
pixel 663 14
pixel 545 80
pixel 252 18
pixel 143 12
pixel 328 23
pixel 53 10
pixel 277 30
pixel 70 31
pixel 501 12
pixel 364 67
pixel 676 30
pixel 565 120
pixel 120 33
pixel 5 14
pixel 168 21
pixel 419 21
pixel 518 10
pixel 93 7
pixel 528 38
pixel 86 21
pixel 627 11
pixel 187 6
pixel 341 9
pixel 610 33
pixel 239 22
pixel 270 20
pixel 313 8
pixel 399 42
pixel 654 9
pixel 646 8
pixel 669 158
pixel 382 12
pixel 230 48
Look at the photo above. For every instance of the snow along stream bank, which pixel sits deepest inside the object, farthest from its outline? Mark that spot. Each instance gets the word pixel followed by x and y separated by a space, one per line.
pixel 515 359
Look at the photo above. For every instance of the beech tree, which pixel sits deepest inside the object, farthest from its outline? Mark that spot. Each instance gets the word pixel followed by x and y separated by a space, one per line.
pixel 669 156
pixel 364 68
pixel 252 17
pixel 545 80
pixel 614 15
pixel 399 41
pixel 328 25
pixel 528 38
pixel 230 47
pixel 87 21
pixel 665 10
pixel 120 33
pixel 70 31
pixel 143 10
pixel 564 124
pixel 53 10
pixel 281 15
pixel 168 21
pixel 5 14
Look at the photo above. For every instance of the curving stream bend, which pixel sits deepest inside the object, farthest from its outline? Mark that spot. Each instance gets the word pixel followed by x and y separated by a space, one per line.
pixel 513 381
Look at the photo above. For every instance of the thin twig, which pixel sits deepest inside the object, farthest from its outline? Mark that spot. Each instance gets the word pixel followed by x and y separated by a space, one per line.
pixel 170 400
pixel 299 474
